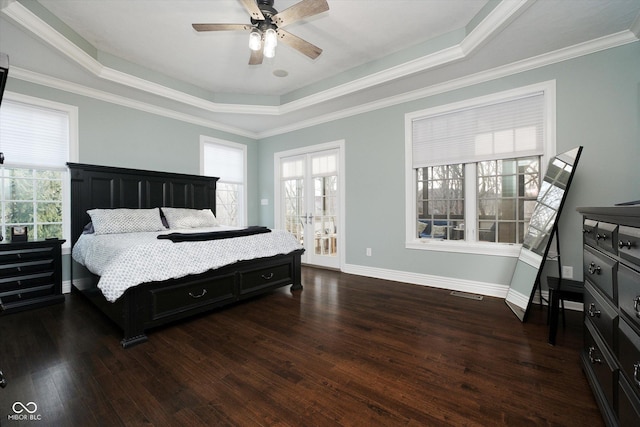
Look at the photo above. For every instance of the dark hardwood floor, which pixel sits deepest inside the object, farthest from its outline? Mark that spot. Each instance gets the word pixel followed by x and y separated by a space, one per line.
pixel 347 350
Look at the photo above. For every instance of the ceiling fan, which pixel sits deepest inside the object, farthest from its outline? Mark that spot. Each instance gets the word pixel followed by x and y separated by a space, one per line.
pixel 266 27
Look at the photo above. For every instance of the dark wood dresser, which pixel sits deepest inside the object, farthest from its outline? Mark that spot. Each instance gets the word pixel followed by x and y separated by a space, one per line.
pixel 30 274
pixel 611 352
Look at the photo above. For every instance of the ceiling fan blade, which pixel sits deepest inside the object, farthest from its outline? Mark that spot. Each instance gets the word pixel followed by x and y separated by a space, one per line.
pixel 256 57
pixel 312 51
pixel 221 27
pixel 253 9
pixel 300 11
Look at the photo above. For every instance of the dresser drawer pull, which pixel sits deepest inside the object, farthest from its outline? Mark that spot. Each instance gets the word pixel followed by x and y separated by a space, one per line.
pixel 203 293
pixel 636 373
pixel 592 358
pixel 622 244
pixel 594 269
pixel 592 311
pixel 636 305
pixel 267 276
pixel 586 231
pixel 601 236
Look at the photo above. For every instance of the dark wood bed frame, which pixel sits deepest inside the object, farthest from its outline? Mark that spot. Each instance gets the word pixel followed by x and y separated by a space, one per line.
pixel 157 303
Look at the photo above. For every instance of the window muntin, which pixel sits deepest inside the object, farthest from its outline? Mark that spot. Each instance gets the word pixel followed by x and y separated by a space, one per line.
pixel 441 202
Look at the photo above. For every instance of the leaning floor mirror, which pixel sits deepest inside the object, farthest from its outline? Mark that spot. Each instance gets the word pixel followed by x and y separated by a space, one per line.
pixel 543 223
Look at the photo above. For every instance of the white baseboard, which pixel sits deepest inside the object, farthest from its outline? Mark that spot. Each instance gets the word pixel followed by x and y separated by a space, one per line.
pixel 469 286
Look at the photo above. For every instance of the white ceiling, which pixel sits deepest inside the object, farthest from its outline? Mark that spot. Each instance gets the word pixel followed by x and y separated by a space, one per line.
pixel 373 50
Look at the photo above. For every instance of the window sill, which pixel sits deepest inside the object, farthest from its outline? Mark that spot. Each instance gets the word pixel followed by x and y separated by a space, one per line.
pixel 476 248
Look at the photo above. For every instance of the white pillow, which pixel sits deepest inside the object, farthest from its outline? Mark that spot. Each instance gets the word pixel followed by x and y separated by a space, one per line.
pixel 110 221
pixel 189 218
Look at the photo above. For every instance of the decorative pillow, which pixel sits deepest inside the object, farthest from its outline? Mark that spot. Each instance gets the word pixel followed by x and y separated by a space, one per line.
pixel 110 221
pixel 189 218
pixel 439 230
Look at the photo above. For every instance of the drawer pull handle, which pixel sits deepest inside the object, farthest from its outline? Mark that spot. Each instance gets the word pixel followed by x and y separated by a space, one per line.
pixel 586 231
pixel 601 236
pixel 592 358
pixel 636 305
pixel 203 293
pixel 594 269
pixel 592 311
pixel 622 244
pixel 636 373
pixel 267 276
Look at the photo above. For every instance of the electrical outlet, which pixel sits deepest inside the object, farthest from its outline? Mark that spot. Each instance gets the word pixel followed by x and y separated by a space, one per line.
pixel 567 272
pixel 368 251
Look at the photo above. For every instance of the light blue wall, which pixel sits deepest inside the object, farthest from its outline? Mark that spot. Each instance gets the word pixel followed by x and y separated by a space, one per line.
pixel 598 106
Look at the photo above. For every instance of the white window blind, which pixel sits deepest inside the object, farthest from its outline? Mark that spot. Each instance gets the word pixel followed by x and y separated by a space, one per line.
pixel 512 128
pixel 225 162
pixel 34 136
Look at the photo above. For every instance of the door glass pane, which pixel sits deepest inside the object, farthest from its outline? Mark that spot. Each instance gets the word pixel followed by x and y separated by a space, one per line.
pixel 293 190
pixel 324 169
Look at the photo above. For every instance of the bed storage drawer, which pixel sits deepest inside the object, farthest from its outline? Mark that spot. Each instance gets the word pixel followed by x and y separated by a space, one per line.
pixel 171 300
pixel 264 277
pixel 601 271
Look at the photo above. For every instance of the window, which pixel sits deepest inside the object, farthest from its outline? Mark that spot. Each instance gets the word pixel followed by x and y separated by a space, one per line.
pixel 473 168
pixel 226 160
pixel 37 139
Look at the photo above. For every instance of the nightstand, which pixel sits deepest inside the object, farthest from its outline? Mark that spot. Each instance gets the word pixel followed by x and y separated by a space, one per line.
pixel 30 274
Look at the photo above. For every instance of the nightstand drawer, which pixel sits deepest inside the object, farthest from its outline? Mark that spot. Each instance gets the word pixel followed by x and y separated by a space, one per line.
pixel 26 294
pixel 26 267
pixel 26 254
pixel 601 271
pixel 25 281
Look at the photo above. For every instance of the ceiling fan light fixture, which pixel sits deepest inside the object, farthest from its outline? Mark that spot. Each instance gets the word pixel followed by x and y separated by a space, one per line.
pixel 255 40
pixel 270 39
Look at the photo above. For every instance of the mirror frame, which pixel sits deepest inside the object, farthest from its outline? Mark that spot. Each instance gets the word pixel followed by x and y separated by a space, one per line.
pixel 530 262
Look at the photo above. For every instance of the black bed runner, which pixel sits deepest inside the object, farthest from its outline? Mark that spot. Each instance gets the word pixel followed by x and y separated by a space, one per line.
pixel 214 235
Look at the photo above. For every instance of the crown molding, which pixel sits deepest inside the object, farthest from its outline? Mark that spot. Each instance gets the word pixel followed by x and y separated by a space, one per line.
pixel 55 83
pixel 560 55
pixel 490 25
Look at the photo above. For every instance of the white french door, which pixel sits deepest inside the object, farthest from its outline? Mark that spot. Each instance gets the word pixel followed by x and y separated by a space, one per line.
pixel 310 204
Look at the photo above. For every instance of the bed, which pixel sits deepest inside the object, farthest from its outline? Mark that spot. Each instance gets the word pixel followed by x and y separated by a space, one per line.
pixel 155 303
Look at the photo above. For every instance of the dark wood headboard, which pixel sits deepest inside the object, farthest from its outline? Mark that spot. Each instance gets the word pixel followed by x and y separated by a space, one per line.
pixel 111 187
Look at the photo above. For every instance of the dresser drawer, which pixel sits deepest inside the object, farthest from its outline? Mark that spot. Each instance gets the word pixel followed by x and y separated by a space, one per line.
pixel 264 277
pixel 600 364
pixel 629 354
pixel 589 229
pixel 629 293
pixel 601 271
pixel 628 405
pixel 176 299
pixel 629 243
pixel 607 237
pixel 601 314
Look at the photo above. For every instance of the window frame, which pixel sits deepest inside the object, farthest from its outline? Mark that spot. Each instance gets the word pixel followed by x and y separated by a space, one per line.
pixel 473 246
pixel 72 155
pixel 208 140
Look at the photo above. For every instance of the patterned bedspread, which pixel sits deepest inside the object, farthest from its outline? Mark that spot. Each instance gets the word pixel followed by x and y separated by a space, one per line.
pixel 126 260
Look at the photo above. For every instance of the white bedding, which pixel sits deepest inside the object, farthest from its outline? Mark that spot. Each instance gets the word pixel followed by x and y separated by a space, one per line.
pixel 129 259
